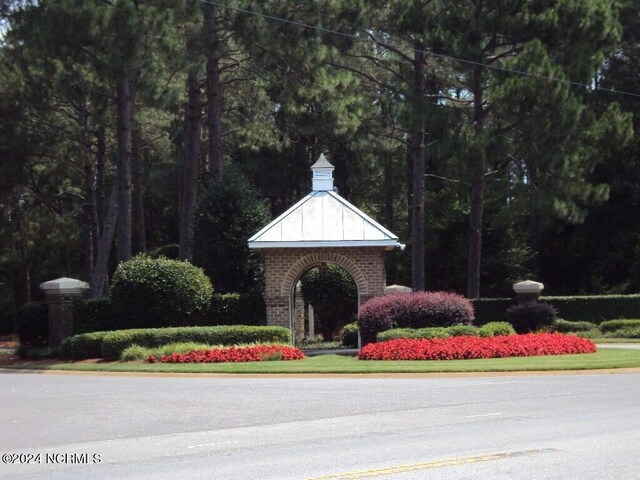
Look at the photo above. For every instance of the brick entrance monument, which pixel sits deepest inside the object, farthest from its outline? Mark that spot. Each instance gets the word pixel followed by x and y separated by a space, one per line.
pixel 321 228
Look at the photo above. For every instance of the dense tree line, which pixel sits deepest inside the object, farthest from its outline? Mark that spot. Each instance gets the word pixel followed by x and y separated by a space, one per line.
pixel 498 138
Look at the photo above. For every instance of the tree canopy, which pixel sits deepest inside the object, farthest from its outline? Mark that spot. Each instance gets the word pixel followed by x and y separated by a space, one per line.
pixel 498 138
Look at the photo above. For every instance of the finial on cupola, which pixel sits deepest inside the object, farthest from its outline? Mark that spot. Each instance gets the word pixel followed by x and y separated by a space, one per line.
pixel 322 178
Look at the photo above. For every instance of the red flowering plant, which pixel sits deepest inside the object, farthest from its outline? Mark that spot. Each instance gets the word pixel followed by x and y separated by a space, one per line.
pixel 459 348
pixel 257 353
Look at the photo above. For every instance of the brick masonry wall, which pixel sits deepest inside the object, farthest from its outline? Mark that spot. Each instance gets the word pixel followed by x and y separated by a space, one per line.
pixel 284 267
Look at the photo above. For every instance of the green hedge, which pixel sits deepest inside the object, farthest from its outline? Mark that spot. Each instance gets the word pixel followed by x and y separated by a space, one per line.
pixel 488 330
pixel 588 308
pixel 114 343
pixel 85 345
pixel 235 309
pixel 619 324
pixel 94 315
pixel 565 326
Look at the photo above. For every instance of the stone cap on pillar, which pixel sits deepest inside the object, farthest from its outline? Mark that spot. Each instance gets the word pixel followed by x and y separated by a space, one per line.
pixel 397 289
pixel 528 287
pixel 64 286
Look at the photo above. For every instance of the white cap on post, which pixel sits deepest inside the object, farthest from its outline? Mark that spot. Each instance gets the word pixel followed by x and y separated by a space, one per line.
pixel 64 286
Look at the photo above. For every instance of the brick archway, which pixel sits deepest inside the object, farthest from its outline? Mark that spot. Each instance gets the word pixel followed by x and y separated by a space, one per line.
pixel 284 267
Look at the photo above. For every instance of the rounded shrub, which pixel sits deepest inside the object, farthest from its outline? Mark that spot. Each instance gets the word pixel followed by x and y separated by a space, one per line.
pixel 463 331
pixel 613 325
pixel 413 310
pixel 32 324
pixel 349 335
pixel 532 317
pixel 493 329
pixel 158 292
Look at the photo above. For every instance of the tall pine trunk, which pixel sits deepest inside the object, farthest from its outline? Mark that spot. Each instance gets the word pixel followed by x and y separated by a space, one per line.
pixel 91 226
pixel 214 94
pixel 193 128
pixel 98 279
pixel 138 187
pixel 125 109
pixel 416 152
pixel 477 192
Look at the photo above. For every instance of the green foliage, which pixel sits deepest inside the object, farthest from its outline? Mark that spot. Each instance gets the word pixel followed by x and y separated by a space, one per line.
pixel 628 332
pixel 32 324
pixel 136 353
pixel 532 317
pixel 114 343
pixel 613 325
pixel 236 309
pixel 227 215
pixel 82 346
pixel 38 353
pixel 566 326
pixel 147 292
pixel 463 330
pixel 429 332
pixel 94 315
pixel 333 294
pixel 493 329
pixel 596 308
pixel 349 335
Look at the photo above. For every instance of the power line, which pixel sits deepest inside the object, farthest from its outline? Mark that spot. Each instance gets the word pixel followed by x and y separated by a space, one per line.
pixel 425 52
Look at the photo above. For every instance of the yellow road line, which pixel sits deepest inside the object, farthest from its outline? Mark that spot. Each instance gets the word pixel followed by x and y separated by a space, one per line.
pixel 377 472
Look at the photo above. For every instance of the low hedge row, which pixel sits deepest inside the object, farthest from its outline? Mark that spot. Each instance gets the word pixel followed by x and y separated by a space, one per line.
pixel 110 345
pixel 491 329
pixel 589 308
pixel 619 324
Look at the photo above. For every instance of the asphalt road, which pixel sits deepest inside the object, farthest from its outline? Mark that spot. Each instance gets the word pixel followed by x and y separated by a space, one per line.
pixel 157 427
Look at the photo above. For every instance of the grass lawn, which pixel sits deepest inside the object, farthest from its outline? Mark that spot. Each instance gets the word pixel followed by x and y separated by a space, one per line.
pixel 336 364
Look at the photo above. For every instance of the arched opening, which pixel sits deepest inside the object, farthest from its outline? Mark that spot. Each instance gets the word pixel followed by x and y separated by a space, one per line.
pixel 323 300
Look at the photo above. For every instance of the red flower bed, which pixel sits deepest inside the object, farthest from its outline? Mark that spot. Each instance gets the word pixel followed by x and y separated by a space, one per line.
pixel 256 353
pixel 459 348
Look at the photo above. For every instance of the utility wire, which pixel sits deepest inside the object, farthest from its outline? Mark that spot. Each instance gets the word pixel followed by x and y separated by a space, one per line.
pixel 425 52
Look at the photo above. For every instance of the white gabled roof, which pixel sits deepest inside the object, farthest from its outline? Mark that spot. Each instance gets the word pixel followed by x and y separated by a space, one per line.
pixel 323 219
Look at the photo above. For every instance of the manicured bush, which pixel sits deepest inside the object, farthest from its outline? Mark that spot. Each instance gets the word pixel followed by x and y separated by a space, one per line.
pixel 94 315
pixel 629 332
pixel 114 343
pixel 613 325
pixel 565 326
pixel 257 353
pixel 463 330
pixel 532 317
pixel 414 310
pixel 349 335
pixel 148 292
pixel 493 329
pixel 429 332
pixel 32 324
pixel 334 296
pixel 236 309
pixel 84 345
pixel 459 348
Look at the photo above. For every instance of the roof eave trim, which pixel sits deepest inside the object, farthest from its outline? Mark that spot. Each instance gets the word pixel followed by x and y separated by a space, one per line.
pixel 392 243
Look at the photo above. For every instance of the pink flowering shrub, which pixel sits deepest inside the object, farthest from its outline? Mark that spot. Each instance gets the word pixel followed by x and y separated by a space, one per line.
pixel 256 353
pixel 413 310
pixel 459 348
